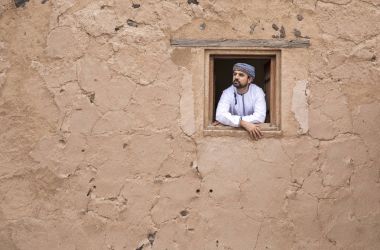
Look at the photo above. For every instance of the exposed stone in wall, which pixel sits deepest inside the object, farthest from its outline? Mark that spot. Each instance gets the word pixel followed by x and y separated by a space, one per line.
pixel 101 128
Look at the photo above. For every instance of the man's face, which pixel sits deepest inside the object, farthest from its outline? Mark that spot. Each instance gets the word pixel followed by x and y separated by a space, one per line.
pixel 240 79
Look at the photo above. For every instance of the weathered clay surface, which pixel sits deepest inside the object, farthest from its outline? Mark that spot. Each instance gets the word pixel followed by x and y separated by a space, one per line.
pixel 101 128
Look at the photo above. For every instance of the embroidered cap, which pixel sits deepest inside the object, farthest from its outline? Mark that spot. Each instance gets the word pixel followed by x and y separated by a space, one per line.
pixel 246 68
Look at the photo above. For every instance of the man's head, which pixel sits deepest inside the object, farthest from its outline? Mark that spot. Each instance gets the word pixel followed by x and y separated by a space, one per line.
pixel 243 74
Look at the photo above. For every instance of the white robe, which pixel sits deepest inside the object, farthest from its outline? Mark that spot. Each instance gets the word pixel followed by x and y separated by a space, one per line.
pixel 250 107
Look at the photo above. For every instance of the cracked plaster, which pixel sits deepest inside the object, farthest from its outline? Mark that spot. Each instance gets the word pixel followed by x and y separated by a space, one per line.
pixel 101 143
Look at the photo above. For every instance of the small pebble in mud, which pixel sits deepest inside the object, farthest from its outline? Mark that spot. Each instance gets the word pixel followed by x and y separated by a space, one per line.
pixel 192 2
pixel 282 32
pixel 20 3
pixel 132 23
pixel 202 26
pixel 297 33
pixel 117 28
pixel 184 213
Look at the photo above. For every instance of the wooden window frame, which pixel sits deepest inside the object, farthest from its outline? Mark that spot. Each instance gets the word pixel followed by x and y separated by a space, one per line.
pixel 274 127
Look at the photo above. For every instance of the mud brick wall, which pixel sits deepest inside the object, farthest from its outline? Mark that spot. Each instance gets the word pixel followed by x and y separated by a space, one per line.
pixel 101 128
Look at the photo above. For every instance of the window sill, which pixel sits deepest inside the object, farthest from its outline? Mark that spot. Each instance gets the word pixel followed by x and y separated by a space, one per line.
pixel 268 130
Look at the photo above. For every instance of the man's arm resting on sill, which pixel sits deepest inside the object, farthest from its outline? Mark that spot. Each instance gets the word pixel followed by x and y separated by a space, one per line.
pixel 222 112
pixel 252 129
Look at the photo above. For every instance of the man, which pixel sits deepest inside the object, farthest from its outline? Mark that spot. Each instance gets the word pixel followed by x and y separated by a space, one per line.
pixel 243 103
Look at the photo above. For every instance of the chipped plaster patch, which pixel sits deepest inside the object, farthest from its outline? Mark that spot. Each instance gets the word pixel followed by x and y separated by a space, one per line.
pixel 4 63
pixel 300 106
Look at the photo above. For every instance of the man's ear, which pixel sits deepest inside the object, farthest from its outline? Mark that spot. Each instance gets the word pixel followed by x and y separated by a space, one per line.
pixel 250 79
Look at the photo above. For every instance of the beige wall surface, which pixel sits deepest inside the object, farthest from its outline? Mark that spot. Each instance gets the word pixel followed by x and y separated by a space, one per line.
pixel 101 128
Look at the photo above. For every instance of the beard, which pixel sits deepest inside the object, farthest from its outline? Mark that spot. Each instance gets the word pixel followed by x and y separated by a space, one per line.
pixel 237 84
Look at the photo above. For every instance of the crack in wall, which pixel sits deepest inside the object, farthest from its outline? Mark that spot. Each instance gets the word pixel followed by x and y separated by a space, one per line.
pixel 334 2
pixel 208 12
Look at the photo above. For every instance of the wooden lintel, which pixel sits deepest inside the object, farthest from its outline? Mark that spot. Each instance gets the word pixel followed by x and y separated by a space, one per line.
pixel 263 43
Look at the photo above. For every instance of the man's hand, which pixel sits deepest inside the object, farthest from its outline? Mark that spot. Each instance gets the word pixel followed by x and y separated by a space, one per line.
pixel 253 129
pixel 216 123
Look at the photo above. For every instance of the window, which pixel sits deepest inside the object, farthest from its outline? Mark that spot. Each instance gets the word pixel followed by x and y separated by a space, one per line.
pixel 219 63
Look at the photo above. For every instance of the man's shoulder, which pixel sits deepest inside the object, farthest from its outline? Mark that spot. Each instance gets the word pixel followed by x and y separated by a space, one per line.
pixel 256 89
pixel 229 90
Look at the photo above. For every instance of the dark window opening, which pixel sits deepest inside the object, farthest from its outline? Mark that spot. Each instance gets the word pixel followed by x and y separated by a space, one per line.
pixel 222 75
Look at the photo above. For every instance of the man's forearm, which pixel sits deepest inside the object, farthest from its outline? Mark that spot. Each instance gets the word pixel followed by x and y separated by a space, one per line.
pixel 228 119
pixel 243 123
pixel 254 118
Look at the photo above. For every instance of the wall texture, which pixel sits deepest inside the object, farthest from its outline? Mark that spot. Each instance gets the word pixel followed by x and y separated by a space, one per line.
pixel 101 142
